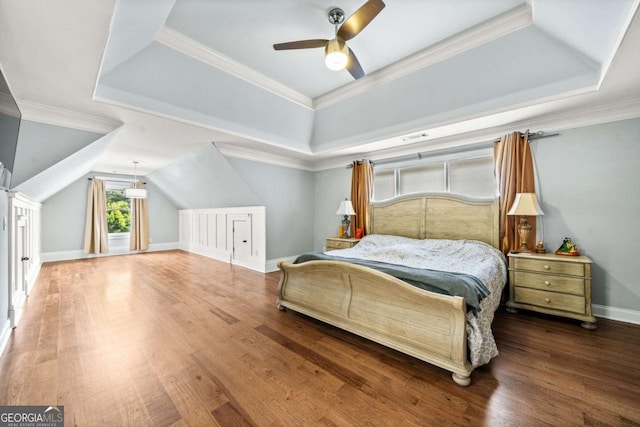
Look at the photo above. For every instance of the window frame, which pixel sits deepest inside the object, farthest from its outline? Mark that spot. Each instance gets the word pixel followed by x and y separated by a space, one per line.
pixel 421 160
pixel 118 185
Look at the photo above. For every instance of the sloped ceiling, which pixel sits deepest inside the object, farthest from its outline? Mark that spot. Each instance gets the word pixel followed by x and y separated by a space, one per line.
pixel 42 146
pixel 59 175
pixel 203 179
pixel 178 74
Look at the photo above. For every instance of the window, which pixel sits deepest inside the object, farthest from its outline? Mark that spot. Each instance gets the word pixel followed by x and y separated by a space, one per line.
pixel 467 173
pixel 118 209
pixel 473 177
pixel 384 184
pixel 429 177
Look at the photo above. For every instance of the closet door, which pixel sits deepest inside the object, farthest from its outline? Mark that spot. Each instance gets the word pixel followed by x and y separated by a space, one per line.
pixel 241 229
pixel 18 291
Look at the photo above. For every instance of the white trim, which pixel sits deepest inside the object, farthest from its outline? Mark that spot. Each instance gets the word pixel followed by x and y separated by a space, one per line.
pixel 198 123
pixel 41 113
pixel 233 150
pixel 595 115
pixel 516 19
pixel 510 21
pixel 606 65
pixel 4 336
pixel 272 264
pixel 614 313
pixel 79 253
pixel 183 44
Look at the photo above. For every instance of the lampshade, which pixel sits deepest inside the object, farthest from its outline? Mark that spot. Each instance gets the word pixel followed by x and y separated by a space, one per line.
pixel 135 193
pixel 526 204
pixel 336 54
pixel 345 208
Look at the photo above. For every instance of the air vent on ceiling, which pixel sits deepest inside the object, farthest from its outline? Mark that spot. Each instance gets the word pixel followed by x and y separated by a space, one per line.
pixel 414 137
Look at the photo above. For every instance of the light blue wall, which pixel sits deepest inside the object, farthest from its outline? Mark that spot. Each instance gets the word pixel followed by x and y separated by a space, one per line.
pixel 64 216
pixel 590 191
pixel 288 195
pixel 331 187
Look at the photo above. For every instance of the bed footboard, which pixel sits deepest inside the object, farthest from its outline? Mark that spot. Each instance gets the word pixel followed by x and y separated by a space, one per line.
pixel 379 307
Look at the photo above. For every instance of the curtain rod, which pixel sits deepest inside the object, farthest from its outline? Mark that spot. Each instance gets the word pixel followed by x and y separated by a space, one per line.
pixel 114 179
pixel 532 136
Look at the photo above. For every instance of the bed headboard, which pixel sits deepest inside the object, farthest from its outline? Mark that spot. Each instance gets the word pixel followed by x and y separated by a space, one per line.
pixel 437 216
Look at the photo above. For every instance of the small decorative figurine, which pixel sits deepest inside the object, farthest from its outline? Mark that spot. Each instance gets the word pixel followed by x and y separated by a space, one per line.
pixel 568 248
pixel 540 248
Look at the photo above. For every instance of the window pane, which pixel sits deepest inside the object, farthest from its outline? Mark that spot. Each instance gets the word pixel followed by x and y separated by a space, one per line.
pixel 472 177
pixel 384 185
pixel 118 212
pixel 422 178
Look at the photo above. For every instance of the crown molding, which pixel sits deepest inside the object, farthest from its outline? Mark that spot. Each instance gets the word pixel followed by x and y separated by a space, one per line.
pixel 48 114
pixel 183 44
pixel 510 21
pixel 553 121
pixel 233 150
pixel 516 19
pixel 600 114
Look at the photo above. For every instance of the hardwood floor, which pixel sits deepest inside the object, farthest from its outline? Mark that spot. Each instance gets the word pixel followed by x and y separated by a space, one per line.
pixel 175 339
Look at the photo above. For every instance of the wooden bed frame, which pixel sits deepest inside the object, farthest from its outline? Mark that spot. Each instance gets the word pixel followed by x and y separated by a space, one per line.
pixel 374 305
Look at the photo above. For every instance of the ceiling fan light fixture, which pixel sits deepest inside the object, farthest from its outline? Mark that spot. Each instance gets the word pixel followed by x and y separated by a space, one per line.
pixel 336 54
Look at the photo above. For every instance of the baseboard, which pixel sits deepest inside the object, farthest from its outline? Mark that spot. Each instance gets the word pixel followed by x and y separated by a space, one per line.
pixel 614 313
pixel 79 253
pixel 224 256
pixel 4 336
pixel 272 264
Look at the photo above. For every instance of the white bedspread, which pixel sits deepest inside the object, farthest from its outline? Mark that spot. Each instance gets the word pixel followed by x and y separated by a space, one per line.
pixel 458 256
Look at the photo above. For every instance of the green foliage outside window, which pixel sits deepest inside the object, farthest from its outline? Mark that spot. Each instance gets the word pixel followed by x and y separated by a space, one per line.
pixel 118 212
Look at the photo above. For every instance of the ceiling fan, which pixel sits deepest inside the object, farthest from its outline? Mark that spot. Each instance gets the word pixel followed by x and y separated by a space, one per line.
pixel 338 55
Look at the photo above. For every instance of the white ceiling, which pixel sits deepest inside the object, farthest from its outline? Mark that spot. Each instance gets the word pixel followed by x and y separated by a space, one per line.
pixel 181 73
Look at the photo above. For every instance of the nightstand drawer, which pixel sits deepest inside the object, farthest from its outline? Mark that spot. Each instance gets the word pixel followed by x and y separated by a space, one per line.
pixel 338 245
pixel 550 300
pixel 544 266
pixel 333 243
pixel 548 282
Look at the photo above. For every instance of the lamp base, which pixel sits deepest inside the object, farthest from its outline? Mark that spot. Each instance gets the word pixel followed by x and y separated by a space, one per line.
pixel 346 226
pixel 524 228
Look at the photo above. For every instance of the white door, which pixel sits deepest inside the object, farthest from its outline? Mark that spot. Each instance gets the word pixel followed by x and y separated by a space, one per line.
pixel 18 286
pixel 241 238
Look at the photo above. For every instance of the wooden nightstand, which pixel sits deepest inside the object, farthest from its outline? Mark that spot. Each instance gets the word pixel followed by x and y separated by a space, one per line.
pixel 333 243
pixel 551 284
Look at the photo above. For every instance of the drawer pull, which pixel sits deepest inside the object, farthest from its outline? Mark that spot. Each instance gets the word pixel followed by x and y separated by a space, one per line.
pixel 548 283
pixel 546 267
pixel 547 300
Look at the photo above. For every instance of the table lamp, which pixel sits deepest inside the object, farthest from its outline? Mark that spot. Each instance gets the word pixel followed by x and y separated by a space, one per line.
pixel 526 204
pixel 346 209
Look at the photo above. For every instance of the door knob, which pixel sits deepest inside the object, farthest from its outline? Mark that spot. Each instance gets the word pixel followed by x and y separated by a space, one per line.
pixel 24 258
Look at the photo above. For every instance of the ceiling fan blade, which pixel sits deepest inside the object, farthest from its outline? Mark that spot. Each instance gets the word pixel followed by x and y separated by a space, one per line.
pixel 353 66
pixel 360 19
pixel 301 44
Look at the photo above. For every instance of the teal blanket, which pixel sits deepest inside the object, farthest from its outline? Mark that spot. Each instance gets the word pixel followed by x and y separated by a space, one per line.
pixel 455 284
